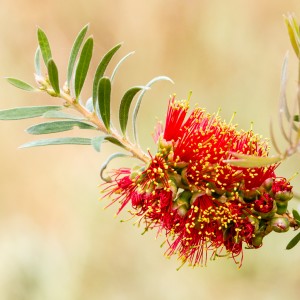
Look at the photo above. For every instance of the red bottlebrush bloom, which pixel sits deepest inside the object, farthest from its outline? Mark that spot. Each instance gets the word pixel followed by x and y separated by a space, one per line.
pixel 204 206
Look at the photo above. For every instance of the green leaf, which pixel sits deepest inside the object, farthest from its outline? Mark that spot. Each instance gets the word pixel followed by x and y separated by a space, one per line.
pixel 296 118
pixel 74 52
pixel 105 164
pixel 44 45
pixel 83 65
pixel 114 141
pixel 125 105
pixel 37 61
pixel 283 107
pixel 21 84
pixel 101 69
pixel 104 90
pixel 26 112
pixel 293 242
pixel 139 100
pixel 58 141
pixel 57 126
pixel 52 114
pixel 118 65
pixel 296 216
pixel 89 105
pixel 251 161
pixel 293 31
pixel 53 75
pixel 97 142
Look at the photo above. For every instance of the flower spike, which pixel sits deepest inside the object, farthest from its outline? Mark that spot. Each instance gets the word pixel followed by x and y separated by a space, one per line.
pixel 210 189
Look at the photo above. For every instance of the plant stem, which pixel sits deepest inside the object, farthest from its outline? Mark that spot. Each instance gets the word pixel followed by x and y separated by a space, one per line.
pixel 93 118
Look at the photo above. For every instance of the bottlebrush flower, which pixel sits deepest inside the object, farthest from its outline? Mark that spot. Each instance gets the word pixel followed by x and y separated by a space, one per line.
pixel 204 206
pixel 210 188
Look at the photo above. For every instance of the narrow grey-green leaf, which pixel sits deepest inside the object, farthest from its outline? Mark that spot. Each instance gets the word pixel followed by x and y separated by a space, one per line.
pixel 89 105
pixel 114 141
pixel 83 65
pixel 74 52
pixel 251 161
pixel 101 69
pixel 26 112
pixel 125 105
pixel 44 45
pixel 21 84
pixel 295 240
pixel 296 216
pixel 139 100
pixel 118 65
pixel 272 136
pixel 61 115
pixel 283 107
pixel 53 75
pixel 105 164
pixel 37 61
pixel 58 141
pixel 104 90
pixel 58 126
pixel 97 142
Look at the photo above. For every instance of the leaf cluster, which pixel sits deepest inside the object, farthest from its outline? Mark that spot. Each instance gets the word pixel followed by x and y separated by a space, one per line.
pixel 95 112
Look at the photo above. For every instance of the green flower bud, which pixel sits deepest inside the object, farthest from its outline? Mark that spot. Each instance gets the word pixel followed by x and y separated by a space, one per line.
pixel 280 224
pixel 255 222
pixel 250 194
pixel 267 185
pixel 257 240
pixel 283 196
pixel 176 178
pixel 281 207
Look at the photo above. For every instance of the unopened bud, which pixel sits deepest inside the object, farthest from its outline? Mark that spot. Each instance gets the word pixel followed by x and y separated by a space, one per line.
pixel 249 194
pixel 257 240
pixel 41 81
pixel 255 222
pixel 280 224
pixel 268 184
pixel 283 196
pixel 51 92
pixel 281 207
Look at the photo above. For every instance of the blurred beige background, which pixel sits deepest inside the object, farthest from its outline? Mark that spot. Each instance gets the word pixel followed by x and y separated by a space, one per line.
pixel 56 241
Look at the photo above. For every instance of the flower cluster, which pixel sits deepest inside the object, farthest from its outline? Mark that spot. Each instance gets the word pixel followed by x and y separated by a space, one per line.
pixel 204 206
